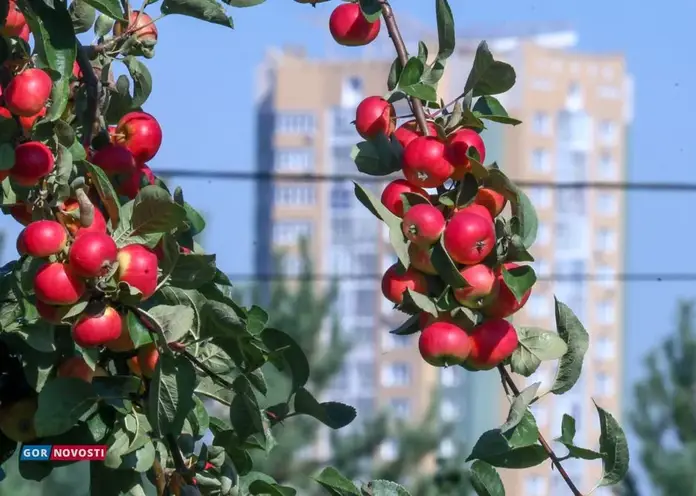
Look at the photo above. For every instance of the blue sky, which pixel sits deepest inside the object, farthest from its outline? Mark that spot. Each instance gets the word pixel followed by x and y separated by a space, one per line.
pixel 203 96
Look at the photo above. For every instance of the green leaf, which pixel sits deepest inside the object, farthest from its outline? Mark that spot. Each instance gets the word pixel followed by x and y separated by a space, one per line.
pixel 104 24
pixel 193 271
pixel 376 157
pixel 155 212
pixel 567 430
pixel 489 108
pixel 411 326
pixel 139 334
pixel 492 447
pixel 519 280
pixel 7 156
pixel 171 394
pixel 332 414
pixel 293 358
pixel 220 320
pixel 410 81
pixel 488 76
pixel 445 266
pixel 106 192
pixel 175 320
pixel 421 301
pixel 614 447
pixel 571 330
pixel 244 3
pixel 445 29
pixel 394 74
pixel 39 335
pixel 142 80
pixel 387 488
pixel 205 10
pixel 246 416
pixel 270 489
pixel 485 480
pixel 526 433
pixel 194 219
pixel 55 45
pixel 82 15
pixel 519 407
pixel 257 318
pixel 112 8
pixel 336 483
pixel 375 206
pixel 535 346
pixel 371 9
pixel 62 402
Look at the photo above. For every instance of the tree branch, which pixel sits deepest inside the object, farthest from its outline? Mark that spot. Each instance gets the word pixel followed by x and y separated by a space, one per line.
pixel 92 89
pixel 507 379
pixel 395 35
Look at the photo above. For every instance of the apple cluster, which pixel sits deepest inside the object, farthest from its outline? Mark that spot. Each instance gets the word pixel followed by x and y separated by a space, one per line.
pixel 466 231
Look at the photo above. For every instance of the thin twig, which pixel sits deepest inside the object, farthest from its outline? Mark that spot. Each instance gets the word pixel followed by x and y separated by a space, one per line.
pixel 92 89
pixel 177 457
pixel 505 376
pixel 400 46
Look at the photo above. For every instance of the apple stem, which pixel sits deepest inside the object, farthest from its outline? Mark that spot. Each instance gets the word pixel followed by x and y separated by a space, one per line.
pixel 400 46
pixel 555 460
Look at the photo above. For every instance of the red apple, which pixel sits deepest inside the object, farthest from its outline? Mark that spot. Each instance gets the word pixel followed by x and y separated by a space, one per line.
pixel 391 196
pixel 33 161
pixel 27 123
pixel 51 313
pixel 458 145
pixel 492 342
pixel 56 284
pixel 15 21
pixel 69 214
pixel 139 23
pixel 442 344
pixel 349 27
pixel 115 159
pixel 146 361
pixel 92 254
pixel 132 183
pixel 96 329
pixel 409 131
pixel 469 238
pixel 43 238
pixel 123 342
pixel 423 224
pixel 505 304
pixel 483 286
pixel 491 200
pixel 420 259
pixel 424 162
pixel 141 134
pixel 76 367
pixel 137 266
pixel 374 116
pixel 396 281
pixel 28 92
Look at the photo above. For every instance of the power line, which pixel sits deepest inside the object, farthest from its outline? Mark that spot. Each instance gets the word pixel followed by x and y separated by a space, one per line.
pixel 271 176
pixel 625 277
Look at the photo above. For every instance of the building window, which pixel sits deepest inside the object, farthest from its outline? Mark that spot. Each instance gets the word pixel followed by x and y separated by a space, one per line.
pixel 540 196
pixel 295 195
pixel 447 448
pixel 401 407
pixel 449 376
pixel 606 203
pixel 540 160
pixel 342 163
pixel 606 312
pixel 543 233
pixel 341 197
pixel 389 450
pixel 607 132
pixel 351 92
pixel 542 123
pixel 604 348
pixel 290 232
pixel 365 371
pixel 448 410
pixel 538 306
pixel 604 385
pixel 534 485
pixel 396 374
pixel 609 92
pixel 540 84
pixel 607 165
pixel 365 407
pixel 295 123
pixel 606 240
pixel 365 303
pixel 606 275
pixel 294 160
pixel 393 341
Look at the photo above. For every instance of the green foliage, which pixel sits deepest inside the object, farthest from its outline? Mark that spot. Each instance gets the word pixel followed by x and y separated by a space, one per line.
pixel 664 410
pixel 202 363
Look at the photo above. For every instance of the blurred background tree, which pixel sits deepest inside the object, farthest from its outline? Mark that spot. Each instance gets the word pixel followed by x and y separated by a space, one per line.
pixel 303 309
pixel 664 416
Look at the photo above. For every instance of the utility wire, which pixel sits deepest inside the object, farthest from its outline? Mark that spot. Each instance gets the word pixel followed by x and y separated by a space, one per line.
pixel 625 277
pixel 310 177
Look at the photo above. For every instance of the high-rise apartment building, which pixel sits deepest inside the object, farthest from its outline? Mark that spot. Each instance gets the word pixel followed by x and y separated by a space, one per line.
pixel 576 110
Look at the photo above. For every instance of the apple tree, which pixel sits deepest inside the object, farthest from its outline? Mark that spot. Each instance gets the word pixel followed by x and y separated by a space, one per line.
pixel 116 325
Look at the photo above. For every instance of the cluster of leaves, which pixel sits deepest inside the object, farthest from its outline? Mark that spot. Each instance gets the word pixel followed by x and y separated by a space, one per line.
pixel 516 444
